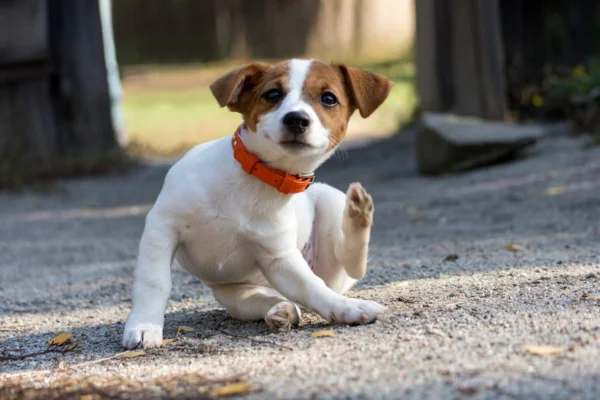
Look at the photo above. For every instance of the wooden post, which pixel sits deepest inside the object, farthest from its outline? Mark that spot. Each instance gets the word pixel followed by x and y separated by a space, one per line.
pixel 27 121
pixel 460 62
pixel 54 99
pixel 461 71
pixel 81 81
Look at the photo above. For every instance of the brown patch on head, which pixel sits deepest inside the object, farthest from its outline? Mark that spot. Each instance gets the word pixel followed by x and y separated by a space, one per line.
pixel 242 89
pixel 352 87
pixel 322 78
pixel 368 90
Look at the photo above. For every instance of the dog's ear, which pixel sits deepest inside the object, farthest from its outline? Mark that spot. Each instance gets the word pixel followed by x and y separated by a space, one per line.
pixel 228 88
pixel 368 90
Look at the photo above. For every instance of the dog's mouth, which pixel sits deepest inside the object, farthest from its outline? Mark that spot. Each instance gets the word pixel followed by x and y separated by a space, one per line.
pixel 295 144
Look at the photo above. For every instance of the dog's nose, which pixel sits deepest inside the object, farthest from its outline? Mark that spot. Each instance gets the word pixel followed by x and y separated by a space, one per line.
pixel 296 122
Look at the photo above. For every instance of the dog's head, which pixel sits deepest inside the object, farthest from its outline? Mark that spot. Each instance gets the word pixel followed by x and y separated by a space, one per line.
pixel 297 111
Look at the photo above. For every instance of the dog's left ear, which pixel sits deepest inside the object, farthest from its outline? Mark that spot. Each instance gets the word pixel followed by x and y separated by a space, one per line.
pixel 368 90
pixel 228 88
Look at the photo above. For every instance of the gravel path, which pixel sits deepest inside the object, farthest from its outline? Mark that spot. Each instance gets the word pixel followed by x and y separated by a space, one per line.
pixel 455 328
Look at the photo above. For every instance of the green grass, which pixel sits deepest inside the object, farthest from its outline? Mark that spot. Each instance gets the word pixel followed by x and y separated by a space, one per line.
pixel 166 121
pixel 168 110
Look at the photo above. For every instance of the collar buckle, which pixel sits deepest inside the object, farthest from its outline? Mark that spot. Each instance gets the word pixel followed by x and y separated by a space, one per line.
pixel 310 177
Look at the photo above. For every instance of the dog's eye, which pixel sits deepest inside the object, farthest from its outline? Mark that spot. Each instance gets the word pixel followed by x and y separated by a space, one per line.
pixel 272 95
pixel 328 99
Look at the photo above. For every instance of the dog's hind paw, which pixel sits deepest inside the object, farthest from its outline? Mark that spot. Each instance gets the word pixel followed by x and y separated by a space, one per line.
pixel 283 316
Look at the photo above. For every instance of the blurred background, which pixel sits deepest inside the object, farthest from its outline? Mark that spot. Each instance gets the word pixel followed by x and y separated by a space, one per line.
pixel 86 84
pixel 170 52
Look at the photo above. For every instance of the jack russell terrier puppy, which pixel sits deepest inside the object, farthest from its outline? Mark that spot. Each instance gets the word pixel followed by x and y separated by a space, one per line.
pixel 244 216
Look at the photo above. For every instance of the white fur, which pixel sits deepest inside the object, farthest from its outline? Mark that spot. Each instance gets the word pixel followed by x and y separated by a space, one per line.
pixel 244 239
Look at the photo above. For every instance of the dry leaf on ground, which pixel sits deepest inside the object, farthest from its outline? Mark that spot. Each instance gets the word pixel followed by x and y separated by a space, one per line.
pixel 412 210
pixel 59 340
pixel 66 386
pixel 131 354
pixel 400 285
pixel 63 366
pixel 323 333
pixel 451 258
pixel 590 297
pixel 186 329
pixel 554 191
pixel 544 350
pixel 516 248
pixel 232 389
pixel 179 330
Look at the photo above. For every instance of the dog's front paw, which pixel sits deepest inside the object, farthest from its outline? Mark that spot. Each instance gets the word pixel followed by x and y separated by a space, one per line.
pixel 146 334
pixel 356 312
pixel 359 207
pixel 283 316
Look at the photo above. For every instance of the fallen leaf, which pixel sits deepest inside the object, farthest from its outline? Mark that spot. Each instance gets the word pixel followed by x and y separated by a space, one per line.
pixel 516 248
pixel 132 354
pixel 468 390
pixel 63 366
pixel 589 297
pixel 233 389
pixel 406 300
pixel 554 191
pixel 450 257
pixel 59 340
pixel 324 333
pixel 186 329
pixel 179 330
pixel 544 350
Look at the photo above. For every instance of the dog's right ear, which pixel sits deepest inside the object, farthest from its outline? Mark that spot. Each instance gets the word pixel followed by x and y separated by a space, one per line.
pixel 228 88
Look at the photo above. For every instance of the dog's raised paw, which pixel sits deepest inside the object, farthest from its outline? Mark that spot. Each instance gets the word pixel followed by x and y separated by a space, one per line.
pixel 146 335
pixel 283 316
pixel 359 206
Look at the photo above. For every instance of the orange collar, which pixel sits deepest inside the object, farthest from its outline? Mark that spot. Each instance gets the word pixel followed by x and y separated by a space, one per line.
pixel 283 182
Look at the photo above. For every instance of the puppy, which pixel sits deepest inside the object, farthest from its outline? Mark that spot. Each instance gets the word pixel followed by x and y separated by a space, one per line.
pixel 243 214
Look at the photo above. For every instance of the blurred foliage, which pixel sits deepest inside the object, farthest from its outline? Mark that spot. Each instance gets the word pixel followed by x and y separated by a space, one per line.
pixel 565 94
pixel 549 47
pixel 581 83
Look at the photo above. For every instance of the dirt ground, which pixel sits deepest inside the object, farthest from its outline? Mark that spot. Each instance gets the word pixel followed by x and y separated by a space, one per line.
pixel 476 269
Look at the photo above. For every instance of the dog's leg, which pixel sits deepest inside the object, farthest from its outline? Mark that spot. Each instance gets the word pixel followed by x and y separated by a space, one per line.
pixel 292 277
pixel 352 248
pixel 342 232
pixel 252 303
pixel 152 285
